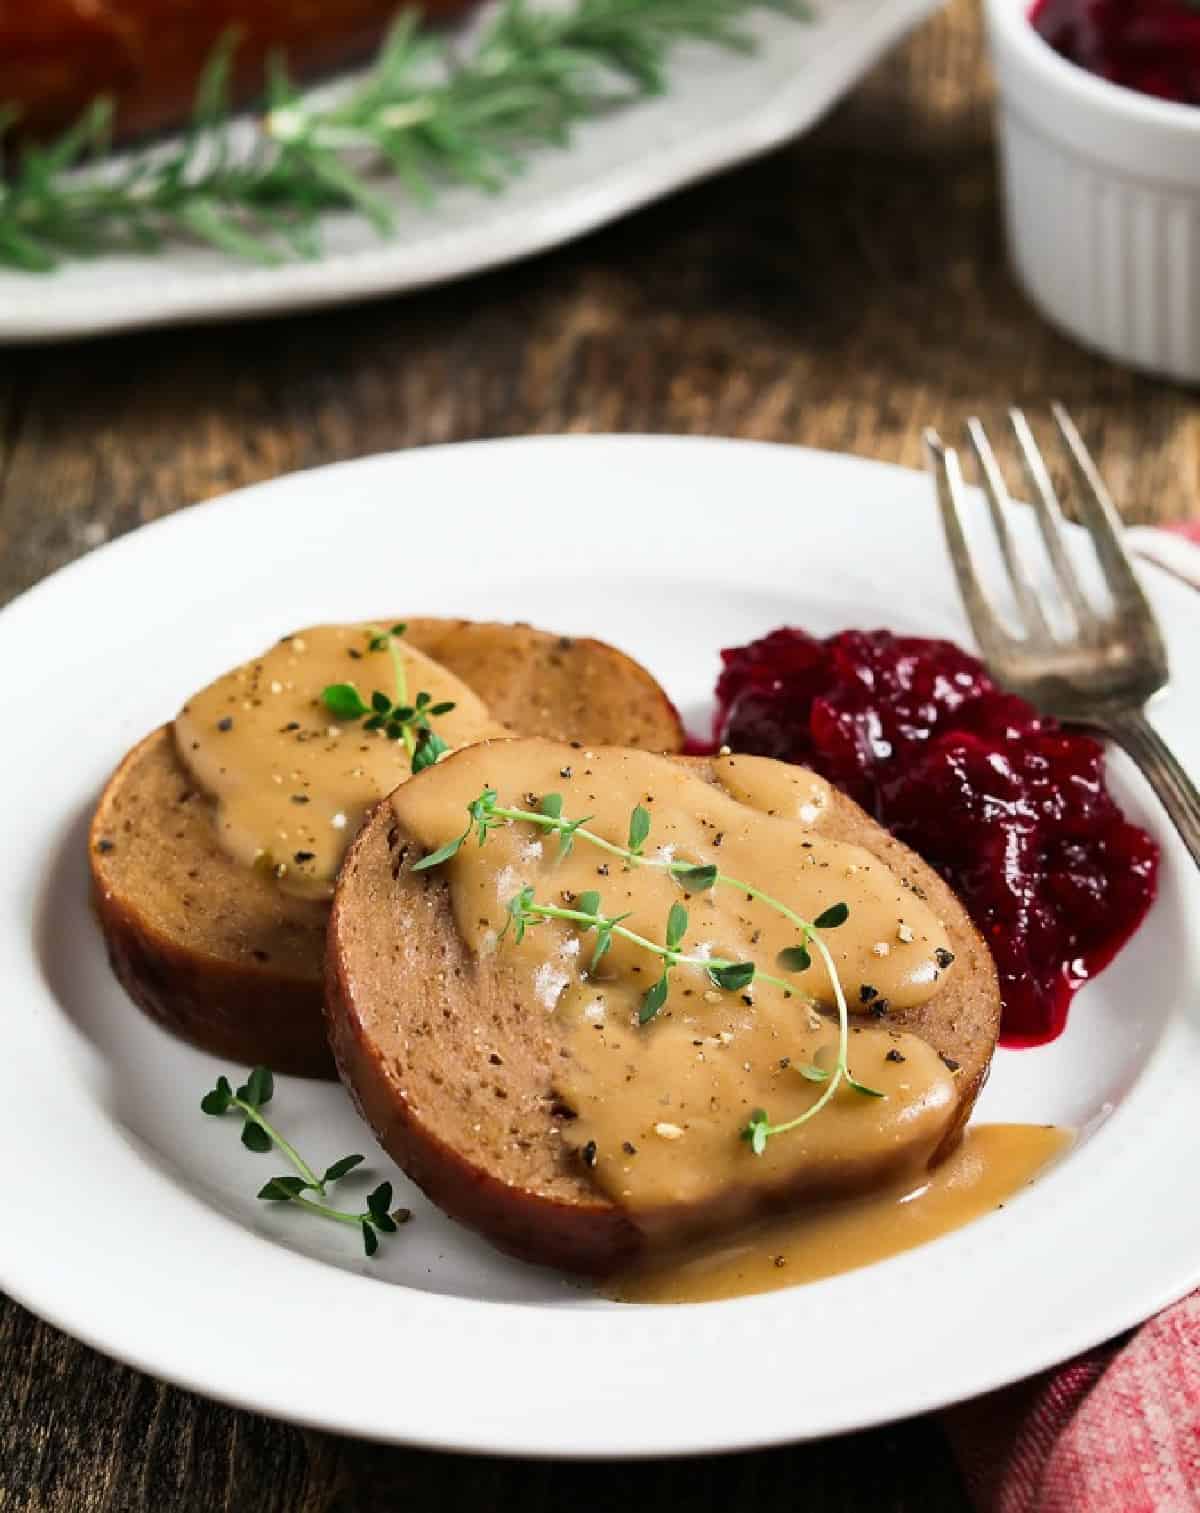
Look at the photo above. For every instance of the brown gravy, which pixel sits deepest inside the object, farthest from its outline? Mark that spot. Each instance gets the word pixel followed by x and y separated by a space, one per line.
pixel 290 782
pixel 658 1106
pixel 992 1164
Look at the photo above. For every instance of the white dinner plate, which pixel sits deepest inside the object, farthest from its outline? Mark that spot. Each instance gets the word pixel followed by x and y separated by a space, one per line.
pixel 130 1219
pixel 722 107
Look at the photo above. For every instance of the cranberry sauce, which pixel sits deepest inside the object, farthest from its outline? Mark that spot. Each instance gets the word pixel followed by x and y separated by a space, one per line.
pixel 1009 807
pixel 1152 46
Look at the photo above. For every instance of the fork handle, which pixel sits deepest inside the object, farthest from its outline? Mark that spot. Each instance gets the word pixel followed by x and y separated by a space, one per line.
pixel 1158 764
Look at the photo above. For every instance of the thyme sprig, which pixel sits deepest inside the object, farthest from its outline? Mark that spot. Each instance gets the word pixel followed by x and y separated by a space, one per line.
pixel 396 718
pixel 423 115
pixel 258 1134
pixel 485 814
pixel 727 974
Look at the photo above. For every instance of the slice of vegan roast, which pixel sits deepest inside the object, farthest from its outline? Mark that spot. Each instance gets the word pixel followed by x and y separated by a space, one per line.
pixel 467 1076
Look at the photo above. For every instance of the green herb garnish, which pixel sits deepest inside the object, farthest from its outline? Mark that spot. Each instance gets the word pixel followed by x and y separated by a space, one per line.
pixel 425 114
pixel 258 1134
pixel 639 829
pixel 485 814
pixel 794 958
pixel 396 718
pixel 732 976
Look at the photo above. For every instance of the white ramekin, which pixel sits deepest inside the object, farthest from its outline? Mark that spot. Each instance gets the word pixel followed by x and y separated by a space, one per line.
pixel 1102 195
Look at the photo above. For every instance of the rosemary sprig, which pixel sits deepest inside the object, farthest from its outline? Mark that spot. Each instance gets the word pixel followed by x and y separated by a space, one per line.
pixel 258 1134
pixel 485 814
pixel 422 115
pixel 396 718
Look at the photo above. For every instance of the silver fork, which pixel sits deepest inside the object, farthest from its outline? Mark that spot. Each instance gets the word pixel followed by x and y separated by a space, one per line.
pixel 1104 671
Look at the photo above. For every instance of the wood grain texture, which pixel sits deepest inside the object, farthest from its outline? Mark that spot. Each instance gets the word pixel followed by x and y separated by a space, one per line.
pixel 843 293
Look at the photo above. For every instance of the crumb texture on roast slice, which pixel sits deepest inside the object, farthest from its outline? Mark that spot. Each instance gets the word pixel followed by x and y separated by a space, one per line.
pixel 155 854
pixel 561 687
pixel 457 1075
pixel 450 1038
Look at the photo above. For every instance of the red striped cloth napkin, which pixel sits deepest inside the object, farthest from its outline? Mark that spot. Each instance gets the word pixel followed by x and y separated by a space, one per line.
pixel 1116 1430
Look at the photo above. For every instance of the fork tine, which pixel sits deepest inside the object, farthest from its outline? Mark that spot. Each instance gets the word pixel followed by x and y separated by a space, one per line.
pixel 1050 521
pixel 948 482
pixel 1103 523
pixel 998 503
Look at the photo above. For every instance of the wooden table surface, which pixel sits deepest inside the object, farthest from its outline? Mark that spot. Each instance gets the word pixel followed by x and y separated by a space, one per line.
pixel 844 292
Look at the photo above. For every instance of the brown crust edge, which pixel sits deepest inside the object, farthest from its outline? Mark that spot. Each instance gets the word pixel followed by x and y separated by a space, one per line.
pixel 635 672
pixel 229 1009
pixel 591 1241
pixel 966 1107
